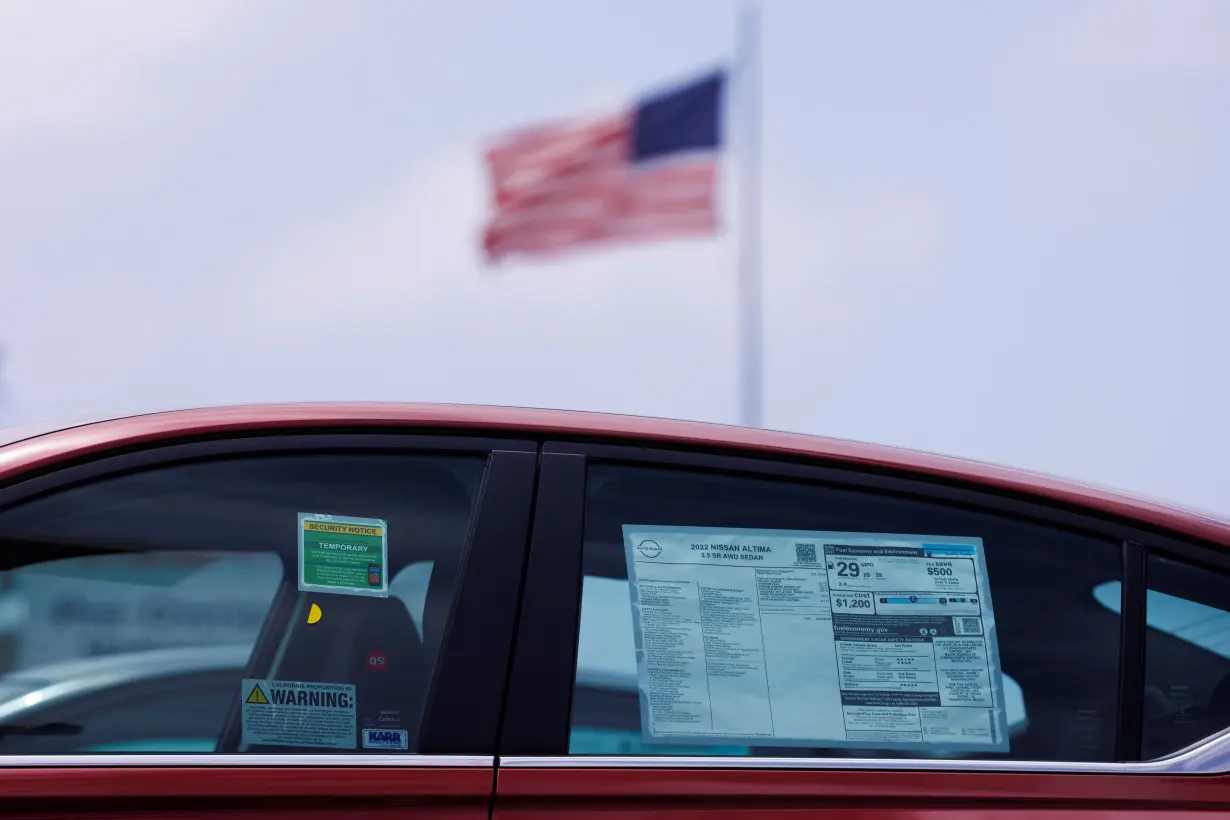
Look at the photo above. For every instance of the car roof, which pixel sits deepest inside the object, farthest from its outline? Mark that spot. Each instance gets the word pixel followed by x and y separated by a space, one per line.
pixel 38 448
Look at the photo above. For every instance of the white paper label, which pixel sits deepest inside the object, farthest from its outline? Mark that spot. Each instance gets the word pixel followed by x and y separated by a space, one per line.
pixel 827 639
pixel 298 713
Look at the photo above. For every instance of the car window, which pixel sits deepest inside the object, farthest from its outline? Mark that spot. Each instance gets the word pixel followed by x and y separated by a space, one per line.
pixel 734 638
pixel 1187 656
pixel 176 609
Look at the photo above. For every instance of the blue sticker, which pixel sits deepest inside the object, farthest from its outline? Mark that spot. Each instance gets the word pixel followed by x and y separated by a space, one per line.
pixel 397 739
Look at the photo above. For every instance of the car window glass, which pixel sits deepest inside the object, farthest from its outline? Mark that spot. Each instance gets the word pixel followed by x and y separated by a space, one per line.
pixel 410 586
pixel 77 609
pixel 153 642
pixel 1041 579
pixel 1187 656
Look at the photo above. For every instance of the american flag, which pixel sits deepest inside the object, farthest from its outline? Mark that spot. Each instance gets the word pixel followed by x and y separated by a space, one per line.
pixel 648 172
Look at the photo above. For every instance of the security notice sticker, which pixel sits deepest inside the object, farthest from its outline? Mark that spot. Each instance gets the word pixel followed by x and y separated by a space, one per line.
pixel 298 713
pixel 343 555
pixel 830 639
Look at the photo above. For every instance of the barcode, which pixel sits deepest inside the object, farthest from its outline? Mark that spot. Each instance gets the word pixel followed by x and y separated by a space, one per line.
pixel 967 626
pixel 805 553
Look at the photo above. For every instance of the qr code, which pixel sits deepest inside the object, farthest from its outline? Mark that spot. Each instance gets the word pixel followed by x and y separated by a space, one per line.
pixel 967 626
pixel 805 553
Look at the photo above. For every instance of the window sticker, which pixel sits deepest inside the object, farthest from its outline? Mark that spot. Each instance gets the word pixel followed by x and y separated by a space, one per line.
pixel 298 713
pixel 393 739
pixel 343 555
pixel 829 639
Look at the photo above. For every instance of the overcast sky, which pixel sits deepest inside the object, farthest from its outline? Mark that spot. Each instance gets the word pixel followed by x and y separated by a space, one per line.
pixel 992 230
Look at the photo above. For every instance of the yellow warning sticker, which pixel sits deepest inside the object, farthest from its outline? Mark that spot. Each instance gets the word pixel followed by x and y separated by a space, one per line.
pixel 257 696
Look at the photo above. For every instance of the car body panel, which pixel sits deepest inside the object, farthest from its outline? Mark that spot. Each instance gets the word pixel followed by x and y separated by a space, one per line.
pixel 777 793
pixel 269 792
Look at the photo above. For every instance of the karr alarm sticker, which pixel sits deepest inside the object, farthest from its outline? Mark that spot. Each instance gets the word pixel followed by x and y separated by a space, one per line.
pixel 393 739
pixel 298 713
pixel 343 555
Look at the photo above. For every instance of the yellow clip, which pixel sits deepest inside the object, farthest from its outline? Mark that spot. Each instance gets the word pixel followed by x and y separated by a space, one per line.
pixel 313 614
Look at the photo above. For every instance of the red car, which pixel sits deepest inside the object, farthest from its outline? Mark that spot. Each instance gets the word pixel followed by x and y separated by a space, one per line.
pixel 368 610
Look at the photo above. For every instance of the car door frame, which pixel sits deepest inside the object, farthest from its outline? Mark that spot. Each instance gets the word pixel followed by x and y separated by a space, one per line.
pixel 453 773
pixel 537 775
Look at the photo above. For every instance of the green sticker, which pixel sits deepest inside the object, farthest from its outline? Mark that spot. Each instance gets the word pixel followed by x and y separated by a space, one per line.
pixel 343 555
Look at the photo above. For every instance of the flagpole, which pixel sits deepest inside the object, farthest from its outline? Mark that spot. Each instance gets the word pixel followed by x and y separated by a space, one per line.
pixel 751 331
